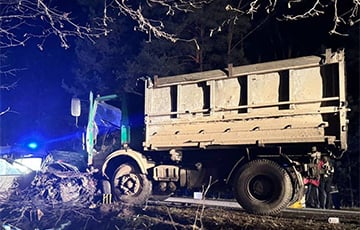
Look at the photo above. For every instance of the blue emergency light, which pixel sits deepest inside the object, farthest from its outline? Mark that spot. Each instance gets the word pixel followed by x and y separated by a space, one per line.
pixel 32 145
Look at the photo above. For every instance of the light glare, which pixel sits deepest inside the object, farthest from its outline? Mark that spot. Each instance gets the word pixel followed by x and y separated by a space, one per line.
pixel 33 145
pixel 29 163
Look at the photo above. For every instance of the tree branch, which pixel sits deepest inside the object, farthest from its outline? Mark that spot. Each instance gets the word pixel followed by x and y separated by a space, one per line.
pixel 312 12
pixel 349 18
pixel 5 111
pixel 22 20
pixel 9 86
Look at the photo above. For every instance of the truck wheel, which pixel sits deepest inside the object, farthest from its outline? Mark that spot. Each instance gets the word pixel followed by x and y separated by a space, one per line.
pixel 263 187
pixel 130 186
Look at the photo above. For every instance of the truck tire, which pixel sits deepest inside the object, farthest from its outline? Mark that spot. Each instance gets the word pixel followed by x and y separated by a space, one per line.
pixel 263 187
pixel 130 186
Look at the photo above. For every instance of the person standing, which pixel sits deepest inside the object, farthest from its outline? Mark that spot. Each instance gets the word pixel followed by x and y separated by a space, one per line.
pixel 326 178
pixel 312 180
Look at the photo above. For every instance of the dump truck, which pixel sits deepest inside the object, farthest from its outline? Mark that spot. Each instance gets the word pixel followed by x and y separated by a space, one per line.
pixel 247 130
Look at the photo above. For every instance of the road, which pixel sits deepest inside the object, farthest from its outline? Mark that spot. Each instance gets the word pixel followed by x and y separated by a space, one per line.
pixel 334 215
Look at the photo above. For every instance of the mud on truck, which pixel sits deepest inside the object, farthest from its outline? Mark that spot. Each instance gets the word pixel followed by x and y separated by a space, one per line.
pixel 245 129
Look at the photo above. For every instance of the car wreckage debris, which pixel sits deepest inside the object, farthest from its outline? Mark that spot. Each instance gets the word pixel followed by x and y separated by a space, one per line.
pixel 57 189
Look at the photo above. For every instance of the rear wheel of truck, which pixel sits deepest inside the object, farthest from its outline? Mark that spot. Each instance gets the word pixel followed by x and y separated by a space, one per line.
pixel 263 187
pixel 130 186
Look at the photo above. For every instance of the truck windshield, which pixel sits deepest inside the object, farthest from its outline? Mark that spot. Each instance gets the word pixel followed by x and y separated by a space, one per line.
pixel 108 116
pixel 107 128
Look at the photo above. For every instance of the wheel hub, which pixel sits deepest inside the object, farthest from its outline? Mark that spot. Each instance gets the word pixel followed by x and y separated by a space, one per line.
pixel 130 184
pixel 261 187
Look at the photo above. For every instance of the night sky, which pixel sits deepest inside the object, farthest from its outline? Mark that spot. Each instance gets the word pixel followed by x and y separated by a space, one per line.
pixel 40 107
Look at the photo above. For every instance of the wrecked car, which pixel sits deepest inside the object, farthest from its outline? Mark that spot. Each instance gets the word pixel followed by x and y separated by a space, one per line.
pixel 16 171
pixel 44 180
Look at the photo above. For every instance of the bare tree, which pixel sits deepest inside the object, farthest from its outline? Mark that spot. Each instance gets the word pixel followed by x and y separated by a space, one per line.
pixel 22 20
pixel 346 14
pixel 153 26
pixel 5 72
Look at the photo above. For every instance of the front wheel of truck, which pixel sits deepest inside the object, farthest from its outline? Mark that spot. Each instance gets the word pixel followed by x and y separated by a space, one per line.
pixel 130 186
pixel 263 187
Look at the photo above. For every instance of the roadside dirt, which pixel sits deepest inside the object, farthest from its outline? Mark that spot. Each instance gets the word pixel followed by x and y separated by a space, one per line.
pixel 117 216
pixel 62 199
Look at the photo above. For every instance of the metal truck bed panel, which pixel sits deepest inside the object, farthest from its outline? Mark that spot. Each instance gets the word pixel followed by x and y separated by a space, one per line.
pixel 295 63
pixel 239 132
pixel 299 100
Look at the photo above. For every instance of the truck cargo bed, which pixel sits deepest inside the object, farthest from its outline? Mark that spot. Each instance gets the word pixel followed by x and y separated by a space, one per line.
pixel 300 100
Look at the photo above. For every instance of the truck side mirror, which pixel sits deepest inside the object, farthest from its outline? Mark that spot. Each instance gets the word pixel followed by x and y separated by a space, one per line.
pixel 75 107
